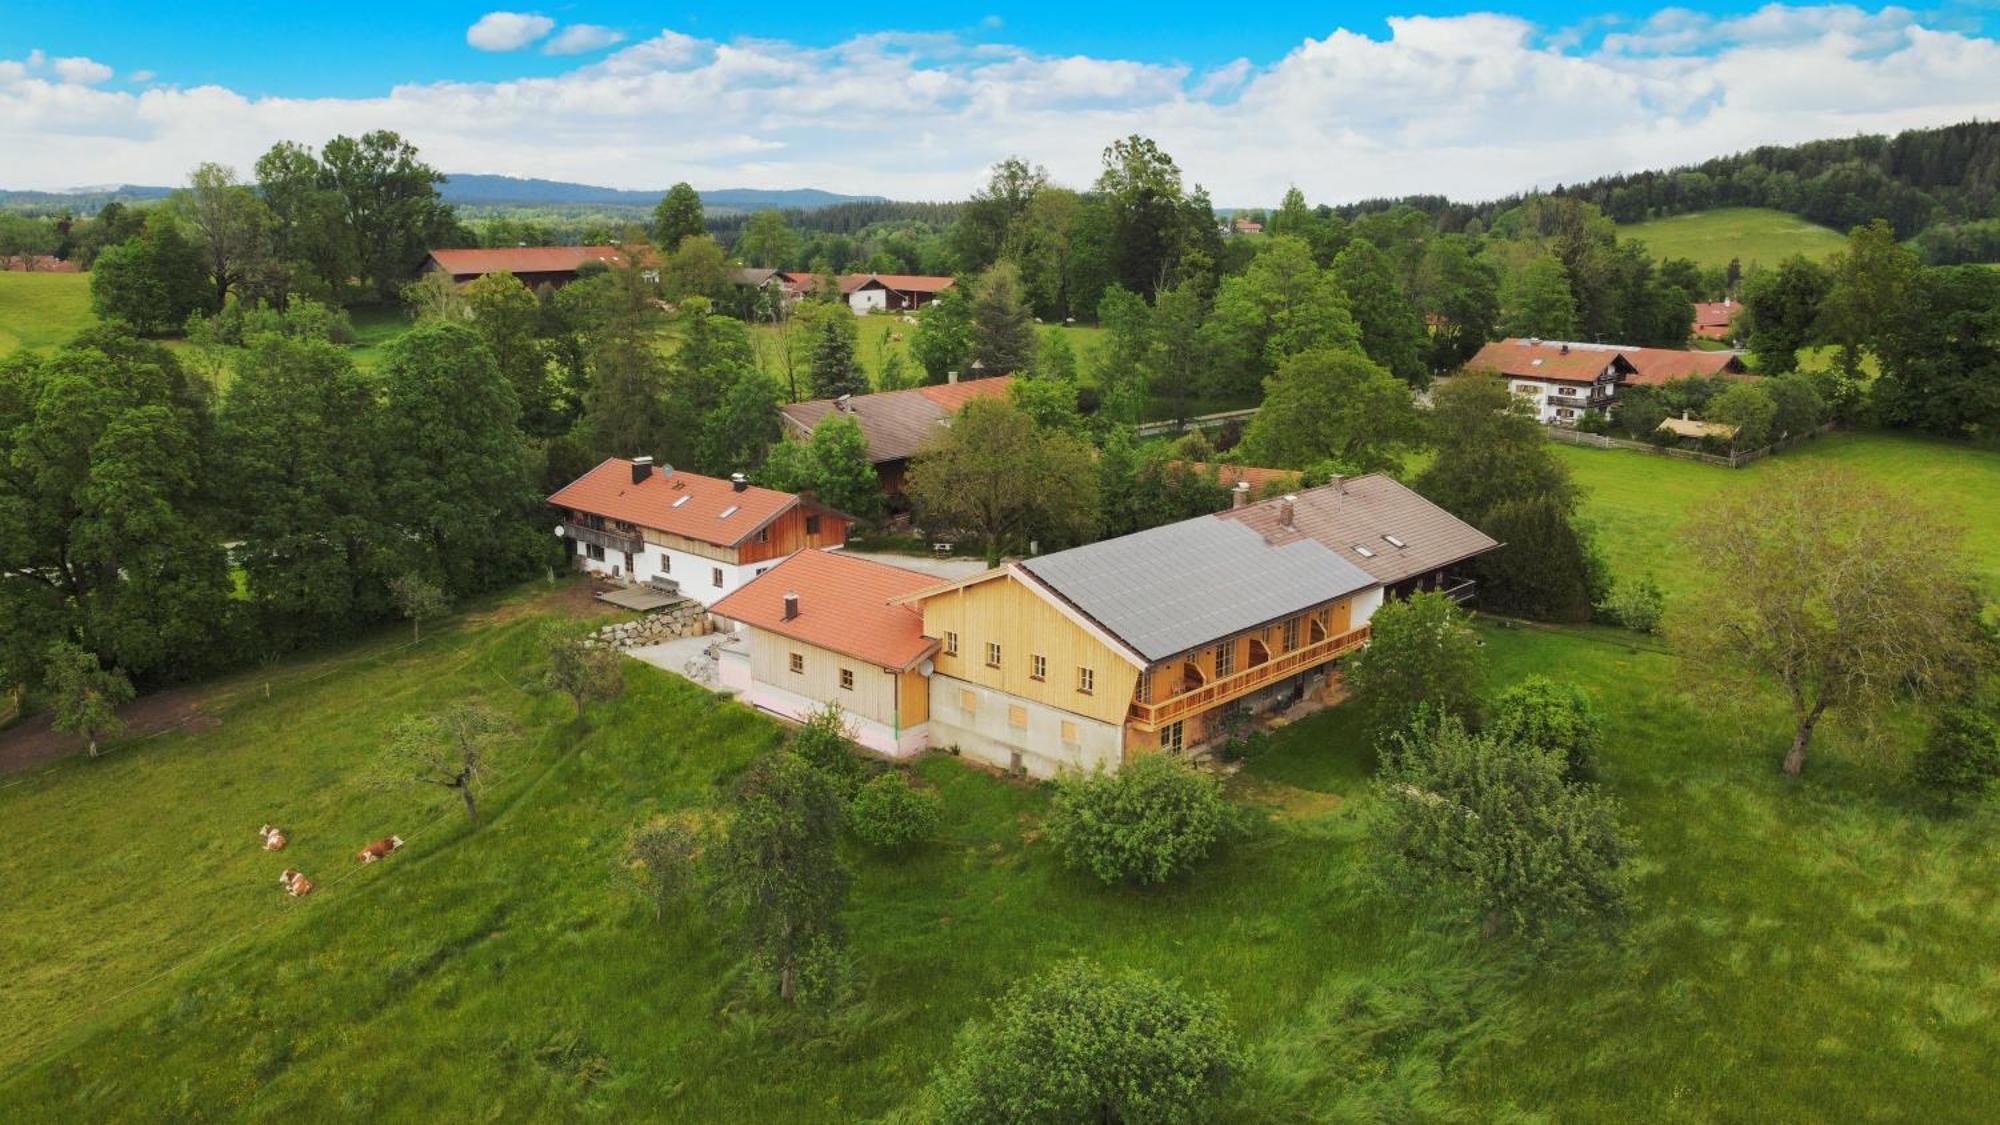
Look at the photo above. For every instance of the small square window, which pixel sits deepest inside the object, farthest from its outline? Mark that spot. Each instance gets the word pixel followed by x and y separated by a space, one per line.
pixel 1017 716
pixel 798 663
pixel 715 576
pixel 951 644
pixel 763 535
pixel 812 525
pixel 968 702
pixel 847 679
pixel 1038 667
pixel 594 551
pixel 1069 733
pixel 992 655
pixel 1086 680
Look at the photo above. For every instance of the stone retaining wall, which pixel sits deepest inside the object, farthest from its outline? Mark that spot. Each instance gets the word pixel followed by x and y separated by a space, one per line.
pixel 685 618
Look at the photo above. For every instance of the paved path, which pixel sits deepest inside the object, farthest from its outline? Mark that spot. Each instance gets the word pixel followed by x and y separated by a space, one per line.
pixel 674 655
pixel 948 569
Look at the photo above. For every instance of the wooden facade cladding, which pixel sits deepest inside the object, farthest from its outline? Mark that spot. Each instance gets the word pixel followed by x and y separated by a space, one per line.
pixel 1004 612
pixel 1197 680
pixel 877 693
pixel 1227 689
pixel 787 535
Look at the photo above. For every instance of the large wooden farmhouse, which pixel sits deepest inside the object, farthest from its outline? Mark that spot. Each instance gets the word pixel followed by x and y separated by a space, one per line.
pixel 1560 379
pixel 685 533
pixel 1089 656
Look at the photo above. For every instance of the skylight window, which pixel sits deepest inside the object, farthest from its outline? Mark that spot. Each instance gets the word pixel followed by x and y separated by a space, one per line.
pixel 681 501
pixel 1394 542
pixel 726 512
pixel 1363 551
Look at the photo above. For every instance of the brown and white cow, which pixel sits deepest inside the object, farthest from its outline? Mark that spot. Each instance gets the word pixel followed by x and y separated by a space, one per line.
pixel 379 849
pixel 274 838
pixel 295 883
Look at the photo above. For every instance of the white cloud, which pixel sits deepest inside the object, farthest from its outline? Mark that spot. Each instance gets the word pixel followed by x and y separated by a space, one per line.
pixel 82 71
pixel 507 31
pixel 1473 106
pixel 140 77
pixel 579 38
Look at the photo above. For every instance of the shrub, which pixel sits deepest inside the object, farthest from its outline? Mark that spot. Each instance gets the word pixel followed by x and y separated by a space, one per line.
pixel 1555 718
pixel 1421 653
pixel 663 857
pixel 825 742
pixel 1078 1044
pixel 1637 604
pixel 890 813
pixel 1544 570
pixel 1497 835
pixel 1961 759
pixel 1144 824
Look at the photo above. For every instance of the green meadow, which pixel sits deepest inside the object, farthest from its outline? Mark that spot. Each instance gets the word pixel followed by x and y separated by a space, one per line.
pixel 1751 235
pixel 41 310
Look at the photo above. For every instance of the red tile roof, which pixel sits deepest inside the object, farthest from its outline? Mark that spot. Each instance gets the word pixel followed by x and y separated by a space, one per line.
pixel 527 259
pixel 843 606
pixel 1716 314
pixel 1260 479
pixel 896 424
pixel 900 282
pixel 1654 367
pixel 705 509
pixel 1547 359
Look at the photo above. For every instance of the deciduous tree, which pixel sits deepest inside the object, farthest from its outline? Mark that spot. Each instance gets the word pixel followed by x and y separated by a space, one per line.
pixel 1392 330
pixel 1487 451
pixel 84 696
pixel 1334 407
pixel 678 216
pixel 1848 594
pixel 452 749
pixel 993 475
pixel 1421 657
pixel 780 864
pixel 581 667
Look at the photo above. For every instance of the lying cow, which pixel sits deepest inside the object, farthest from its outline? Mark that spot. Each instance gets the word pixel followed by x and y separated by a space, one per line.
pixel 379 849
pixel 274 838
pixel 295 883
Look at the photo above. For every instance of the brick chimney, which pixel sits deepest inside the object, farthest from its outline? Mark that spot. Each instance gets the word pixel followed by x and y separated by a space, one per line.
pixel 1240 495
pixel 642 467
pixel 791 606
pixel 1286 507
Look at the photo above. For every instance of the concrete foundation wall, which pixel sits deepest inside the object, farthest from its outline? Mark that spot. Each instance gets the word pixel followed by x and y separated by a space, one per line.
pixel 988 733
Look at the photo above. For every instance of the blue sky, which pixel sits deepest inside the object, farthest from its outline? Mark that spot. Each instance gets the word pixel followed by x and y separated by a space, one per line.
pixel 1344 101
pixel 360 47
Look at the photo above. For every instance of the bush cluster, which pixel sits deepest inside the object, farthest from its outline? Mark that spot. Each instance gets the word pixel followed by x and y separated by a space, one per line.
pixel 1145 824
pixel 889 813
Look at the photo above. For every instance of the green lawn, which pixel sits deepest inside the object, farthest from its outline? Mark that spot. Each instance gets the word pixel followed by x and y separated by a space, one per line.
pixel 1637 501
pixel 1819 951
pixel 1750 234
pixel 41 310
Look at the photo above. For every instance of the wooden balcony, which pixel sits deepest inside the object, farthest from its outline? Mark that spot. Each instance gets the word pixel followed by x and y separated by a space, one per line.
pixel 609 540
pixel 1153 716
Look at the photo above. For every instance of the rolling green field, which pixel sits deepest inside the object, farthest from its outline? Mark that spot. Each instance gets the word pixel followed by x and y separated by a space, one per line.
pixel 1637 502
pixel 41 310
pixel 1752 235
pixel 1811 951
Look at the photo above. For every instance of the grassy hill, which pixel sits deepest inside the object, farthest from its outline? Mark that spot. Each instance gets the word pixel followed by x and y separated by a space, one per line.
pixel 1825 944
pixel 40 310
pixel 1749 234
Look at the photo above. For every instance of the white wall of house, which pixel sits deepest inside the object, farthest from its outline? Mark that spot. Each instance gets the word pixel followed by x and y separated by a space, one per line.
pixel 705 580
pixel 1537 392
pixel 864 301
pixel 872 733
pixel 1362 606
pixel 988 733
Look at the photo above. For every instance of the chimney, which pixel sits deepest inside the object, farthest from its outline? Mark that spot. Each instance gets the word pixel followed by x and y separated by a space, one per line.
pixel 738 482
pixel 1686 417
pixel 1285 509
pixel 1565 350
pixel 951 376
pixel 791 606
pixel 841 403
pixel 1339 484
pixel 642 467
pixel 1240 495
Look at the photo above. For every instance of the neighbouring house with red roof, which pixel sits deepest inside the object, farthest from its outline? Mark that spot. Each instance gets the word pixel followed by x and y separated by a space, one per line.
pixel 536 266
pixel 1656 367
pixel 1556 380
pixel 39 263
pixel 826 627
pixel 682 532
pixel 863 292
pixel 1712 319
pixel 896 424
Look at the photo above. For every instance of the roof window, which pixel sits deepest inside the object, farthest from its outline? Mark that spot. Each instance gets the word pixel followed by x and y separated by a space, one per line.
pixel 1363 551
pixel 727 512
pixel 1394 542
pixel 679 502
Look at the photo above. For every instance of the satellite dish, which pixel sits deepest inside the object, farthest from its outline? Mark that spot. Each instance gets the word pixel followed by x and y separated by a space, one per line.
pixel 561 531
pixel 926 668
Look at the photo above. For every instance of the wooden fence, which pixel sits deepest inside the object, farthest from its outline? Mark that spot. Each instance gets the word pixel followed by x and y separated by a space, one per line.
pixel 1734 460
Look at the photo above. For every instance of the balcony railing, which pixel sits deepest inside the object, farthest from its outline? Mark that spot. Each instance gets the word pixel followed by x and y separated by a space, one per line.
pixel 1460 590
pixel 609 540
pixel 1152 716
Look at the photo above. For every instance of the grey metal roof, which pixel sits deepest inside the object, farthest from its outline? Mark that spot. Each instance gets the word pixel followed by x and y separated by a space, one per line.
pixel 1177 587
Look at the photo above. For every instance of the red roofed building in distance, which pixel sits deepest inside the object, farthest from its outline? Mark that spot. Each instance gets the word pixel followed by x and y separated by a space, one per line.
pixel 702 536
pixel 1557 380
pixel 536 266
pixel 1712 319
pixel 895 424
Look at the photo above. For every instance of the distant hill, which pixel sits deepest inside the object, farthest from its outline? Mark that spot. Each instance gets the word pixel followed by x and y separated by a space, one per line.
pixel 513 191
pixel 82 201
pixel 1748 234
